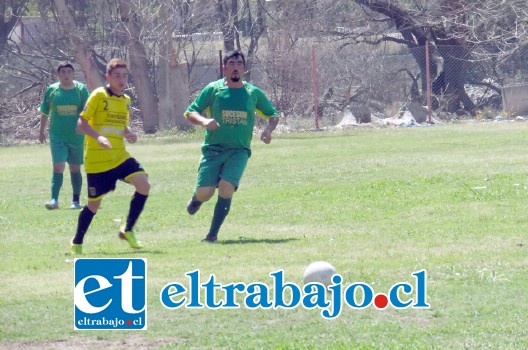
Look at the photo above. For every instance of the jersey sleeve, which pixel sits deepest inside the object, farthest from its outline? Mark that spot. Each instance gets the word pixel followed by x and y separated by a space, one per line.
pixel 202 101
pixel 264 107
pixel 85 93
pixel 90 108
pixel 45 105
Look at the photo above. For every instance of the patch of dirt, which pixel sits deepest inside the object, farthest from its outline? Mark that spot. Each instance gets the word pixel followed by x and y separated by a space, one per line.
pixel 134 341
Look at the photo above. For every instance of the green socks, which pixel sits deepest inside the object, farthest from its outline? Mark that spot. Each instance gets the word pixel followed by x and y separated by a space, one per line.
pixel 220 212
pixel 76 180
pixel 56 184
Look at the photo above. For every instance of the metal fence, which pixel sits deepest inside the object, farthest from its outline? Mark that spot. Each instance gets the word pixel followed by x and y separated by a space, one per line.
pixel 384 80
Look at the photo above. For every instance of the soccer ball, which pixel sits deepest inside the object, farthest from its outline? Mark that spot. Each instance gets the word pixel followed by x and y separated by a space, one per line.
pixel 319 271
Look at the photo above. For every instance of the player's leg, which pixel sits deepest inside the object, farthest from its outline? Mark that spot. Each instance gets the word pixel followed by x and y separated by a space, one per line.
pixel 83 223
pixel 211 164
pixel 132 172
pixel 59 153
pixel 222 207
pixel 201 194
pixel 137 203
pixel 99 185
pixel 230 178
pixel 75 159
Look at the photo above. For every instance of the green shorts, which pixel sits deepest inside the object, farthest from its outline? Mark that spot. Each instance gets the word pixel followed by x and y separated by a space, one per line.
pixel 62 152
pixel 225 164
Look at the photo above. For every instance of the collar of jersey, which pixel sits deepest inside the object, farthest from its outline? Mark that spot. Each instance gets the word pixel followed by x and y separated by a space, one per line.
pixel 111 93
pixel 223 84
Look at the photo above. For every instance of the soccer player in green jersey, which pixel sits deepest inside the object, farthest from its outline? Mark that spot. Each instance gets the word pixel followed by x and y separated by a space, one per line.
pixel 231 105
pixel 105 120
pixel 63 102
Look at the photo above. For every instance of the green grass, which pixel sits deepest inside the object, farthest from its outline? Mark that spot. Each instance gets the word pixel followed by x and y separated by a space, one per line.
pixel 379 204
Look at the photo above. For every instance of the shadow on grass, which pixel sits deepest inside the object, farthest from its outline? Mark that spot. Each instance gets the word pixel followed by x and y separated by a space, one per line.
pixel 131 252
pixel 243 240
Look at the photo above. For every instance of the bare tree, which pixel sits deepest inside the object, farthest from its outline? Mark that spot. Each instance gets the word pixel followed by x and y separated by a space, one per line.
pixel 80 46
pixel 173 77
pixel 227 14
pixel 461 33
pixel 256 28
pixel 145 89
pixel 10 11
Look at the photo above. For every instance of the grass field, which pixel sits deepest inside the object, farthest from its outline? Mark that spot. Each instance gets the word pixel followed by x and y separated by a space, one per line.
pixel 379 204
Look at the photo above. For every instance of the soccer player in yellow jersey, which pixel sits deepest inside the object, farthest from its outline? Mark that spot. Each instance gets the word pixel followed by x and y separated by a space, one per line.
pixel 105 120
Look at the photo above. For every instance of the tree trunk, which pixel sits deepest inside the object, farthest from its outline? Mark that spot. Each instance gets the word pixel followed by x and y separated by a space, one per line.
pixel 166 52
pixel 451 63
pixel 80 46
pixel 174 85
pixel 227 16
pixel 145 89
pixel 180 93
pixel 255 32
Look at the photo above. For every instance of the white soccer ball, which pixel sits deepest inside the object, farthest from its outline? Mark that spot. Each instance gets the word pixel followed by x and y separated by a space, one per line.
pixel 319 271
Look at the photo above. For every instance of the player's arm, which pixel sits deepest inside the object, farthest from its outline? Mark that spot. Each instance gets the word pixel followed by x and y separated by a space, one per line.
pixel 44 110
pixel 42 131
pixel 266 110
pixel 85 127
pixel 272 124
pixel 197 119
pixel 201 103
pixel 130 136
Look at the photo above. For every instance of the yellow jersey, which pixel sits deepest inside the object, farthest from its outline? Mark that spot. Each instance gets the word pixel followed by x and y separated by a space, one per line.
pixel 108 114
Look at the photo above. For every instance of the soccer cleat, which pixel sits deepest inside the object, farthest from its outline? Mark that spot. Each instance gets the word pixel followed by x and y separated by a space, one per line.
pixel 76 249
pixel 130 237
pixel 210 238
pixel 75 205
pixel 52 204
pixel 193 205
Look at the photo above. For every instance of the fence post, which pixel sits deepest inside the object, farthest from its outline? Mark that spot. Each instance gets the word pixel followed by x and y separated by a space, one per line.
pixel 315 93
pixel 221 65
pixel 428 81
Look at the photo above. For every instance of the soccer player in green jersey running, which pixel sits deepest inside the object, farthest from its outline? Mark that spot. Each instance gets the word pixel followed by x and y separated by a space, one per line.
pixel 231 105
pixel 63 102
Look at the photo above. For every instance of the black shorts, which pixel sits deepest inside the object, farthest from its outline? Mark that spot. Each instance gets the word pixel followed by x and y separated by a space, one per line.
pixel 99 184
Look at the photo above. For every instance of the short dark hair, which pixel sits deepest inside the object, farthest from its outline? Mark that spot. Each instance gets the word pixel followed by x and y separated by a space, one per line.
pixel 115 63
pixel 234 54
pixel 65 64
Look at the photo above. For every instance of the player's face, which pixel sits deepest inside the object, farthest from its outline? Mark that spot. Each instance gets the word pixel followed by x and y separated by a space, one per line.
pixel 66 76
pixel 118 80
pixel 234 69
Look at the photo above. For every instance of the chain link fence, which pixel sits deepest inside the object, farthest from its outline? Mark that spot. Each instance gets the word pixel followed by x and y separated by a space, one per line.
pixel 361 83
pixel 357 83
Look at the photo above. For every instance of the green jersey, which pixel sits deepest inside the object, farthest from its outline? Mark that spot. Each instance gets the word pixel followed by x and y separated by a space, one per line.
pixel 63 107
pixel 234 109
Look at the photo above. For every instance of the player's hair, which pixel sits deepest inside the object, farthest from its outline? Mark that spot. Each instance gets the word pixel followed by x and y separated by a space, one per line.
pixel 64 64
pixel 115 63
pixel 234 54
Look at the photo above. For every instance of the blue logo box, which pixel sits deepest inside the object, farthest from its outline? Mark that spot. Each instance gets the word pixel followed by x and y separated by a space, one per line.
pixel 110 294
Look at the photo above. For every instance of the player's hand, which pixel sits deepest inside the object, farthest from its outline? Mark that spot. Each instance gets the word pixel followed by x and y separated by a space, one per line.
pixel 103 142
pixel 131 137
pixel 211 124
pixel 42 137
pixel 266 136
pixel 79 130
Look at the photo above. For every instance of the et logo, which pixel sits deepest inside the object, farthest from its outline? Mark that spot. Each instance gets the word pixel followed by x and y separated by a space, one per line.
pixel 110 294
